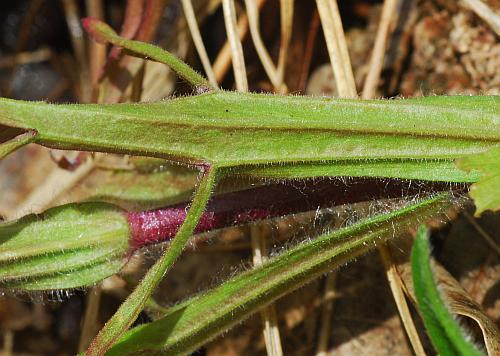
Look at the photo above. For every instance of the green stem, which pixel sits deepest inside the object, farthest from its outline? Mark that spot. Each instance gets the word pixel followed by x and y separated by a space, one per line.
pixel 16 143
pixel 187 326
pixel 132 306
pixel 102 33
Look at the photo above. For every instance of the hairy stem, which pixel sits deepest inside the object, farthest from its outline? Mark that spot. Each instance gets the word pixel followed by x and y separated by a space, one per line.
pixel 189 325
pixel 280 199
pixel 132 306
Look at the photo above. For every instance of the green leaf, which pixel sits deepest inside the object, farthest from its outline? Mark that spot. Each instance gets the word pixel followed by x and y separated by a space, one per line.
pixel 136 301
pixel 431 170
pixel 16 143
pixel 102 33
pixel 486 192
pixel 187 326
pixel 132 190
pixel 261 129
pixel 445 333
pixel 69 246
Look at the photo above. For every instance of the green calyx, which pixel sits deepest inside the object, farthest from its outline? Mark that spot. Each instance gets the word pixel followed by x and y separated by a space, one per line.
pixel 70 246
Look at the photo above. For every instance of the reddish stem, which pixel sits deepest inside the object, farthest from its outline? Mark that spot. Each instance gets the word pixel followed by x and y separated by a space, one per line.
pixel 266 202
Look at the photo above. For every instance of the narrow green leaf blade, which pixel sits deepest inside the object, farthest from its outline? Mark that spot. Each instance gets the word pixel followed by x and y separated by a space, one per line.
pixel 102 33
pixel 135 302
pixel 443 330
pixel 431 170
pixel 69 246
pixel 190 324
pixel 486 192
pixel 16 143
pixel 261 129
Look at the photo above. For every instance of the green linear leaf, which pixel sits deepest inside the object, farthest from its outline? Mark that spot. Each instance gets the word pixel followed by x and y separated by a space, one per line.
pixel 91 273
pixel 486 192
pixel 432 170
pixel 102 33
pixel 262 129
pixel 69 246
pixel 66 262
pixel 445 333
pixel 135 302
pixel 189 325
pixel 132 190
pixel 16 143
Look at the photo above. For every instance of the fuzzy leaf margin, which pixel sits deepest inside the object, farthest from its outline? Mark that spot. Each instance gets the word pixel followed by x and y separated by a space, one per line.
pixel 187 326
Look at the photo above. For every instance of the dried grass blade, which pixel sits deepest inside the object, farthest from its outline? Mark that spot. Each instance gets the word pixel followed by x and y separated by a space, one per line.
pixel 286 15
pixel 337 47
pixel 240 75
pixel 389 9
pixel 198 41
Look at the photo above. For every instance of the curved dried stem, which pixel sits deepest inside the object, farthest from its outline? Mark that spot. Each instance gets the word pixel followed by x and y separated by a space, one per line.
pixel 253 21
pixel 484 12
pixel 198 41
pixel 275 73
pixel 395 284
pixel 379 48
pixel 337 47
pixel 240 75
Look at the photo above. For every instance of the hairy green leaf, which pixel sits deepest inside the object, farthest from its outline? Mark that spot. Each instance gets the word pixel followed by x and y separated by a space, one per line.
pixel 134 190
pixel 263 129
pixel 68 246
pixel 486 192
pixel 102 33
pixel 445 333
pixel 16 143
pixel 433 170
pixel 187 326
pixel 135 302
